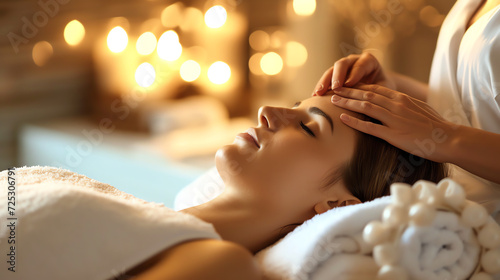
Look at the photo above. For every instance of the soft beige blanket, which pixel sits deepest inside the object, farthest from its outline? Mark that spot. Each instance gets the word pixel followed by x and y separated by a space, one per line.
pixel 68 226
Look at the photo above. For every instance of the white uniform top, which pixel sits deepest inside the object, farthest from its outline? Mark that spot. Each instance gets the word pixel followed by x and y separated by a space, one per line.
pixel 464 84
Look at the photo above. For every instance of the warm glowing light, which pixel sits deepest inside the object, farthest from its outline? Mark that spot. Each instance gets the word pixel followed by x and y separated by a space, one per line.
pixel 259 40
pixel 42 51
pixel 219 72
pixel 295 54
pixel 215 17
pixel 304 7
pixel 171 16
pixel 145 75
pixel 278 38
pixel 271 63
pixel 190 70
pixel 193 19
pixel 146 43
pixel 430 16
pixel 254 64
pixel 74 32
pixel 170 36
pixel 117 39
pixel 169 47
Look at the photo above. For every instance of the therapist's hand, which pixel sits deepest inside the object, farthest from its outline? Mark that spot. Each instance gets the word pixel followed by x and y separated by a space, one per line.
pixel 353 69
pixel 407 123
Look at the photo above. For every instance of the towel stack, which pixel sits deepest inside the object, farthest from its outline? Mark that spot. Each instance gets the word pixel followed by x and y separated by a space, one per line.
pixel 427 231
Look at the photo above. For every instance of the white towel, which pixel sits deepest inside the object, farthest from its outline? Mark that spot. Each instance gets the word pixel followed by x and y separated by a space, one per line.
pixel 72 227
pixel 339 231
pixel 445 250
pixel 331 246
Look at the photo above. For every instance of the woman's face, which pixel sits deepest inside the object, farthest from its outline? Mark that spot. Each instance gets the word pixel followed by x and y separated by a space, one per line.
pixel 283 163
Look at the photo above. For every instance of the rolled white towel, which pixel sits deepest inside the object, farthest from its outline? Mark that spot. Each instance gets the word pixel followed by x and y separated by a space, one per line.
pixel 432 232
pixel 445 250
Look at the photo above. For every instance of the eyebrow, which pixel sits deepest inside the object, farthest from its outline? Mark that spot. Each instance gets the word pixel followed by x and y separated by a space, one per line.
pixel 318 111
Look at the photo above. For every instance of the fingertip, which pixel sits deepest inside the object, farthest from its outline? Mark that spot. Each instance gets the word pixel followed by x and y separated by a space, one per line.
pixel 319 88
pixel 335 98
pixel 345 117
pixel 335 84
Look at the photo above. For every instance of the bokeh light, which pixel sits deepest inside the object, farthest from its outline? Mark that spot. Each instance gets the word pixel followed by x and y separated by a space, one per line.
pixel 171 16
pixel 42 51
pixel 117 39
pixel 278 38
pixel 169 47
pixel 190 70
pixel 215 17
pixel 430 16
pixel 295 54
pixel 271 63
pixel 146 43
pixel 304 7
pixel 74 32
pixel 219 72
pixel 254 64
pixel 145 75
pixel 193 19
pixel 259 40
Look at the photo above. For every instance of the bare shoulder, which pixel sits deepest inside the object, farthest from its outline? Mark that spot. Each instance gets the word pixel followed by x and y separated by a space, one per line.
pixel 207 259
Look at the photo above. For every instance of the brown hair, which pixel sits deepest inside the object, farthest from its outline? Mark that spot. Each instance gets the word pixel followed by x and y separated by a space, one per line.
pixel 376 164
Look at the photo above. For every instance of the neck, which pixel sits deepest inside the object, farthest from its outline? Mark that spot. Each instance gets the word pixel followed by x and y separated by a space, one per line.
pixel 237 220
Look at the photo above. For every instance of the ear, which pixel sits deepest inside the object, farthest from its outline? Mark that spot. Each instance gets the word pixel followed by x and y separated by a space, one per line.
pixel 325 205
pixel 338 196
pixel 348 199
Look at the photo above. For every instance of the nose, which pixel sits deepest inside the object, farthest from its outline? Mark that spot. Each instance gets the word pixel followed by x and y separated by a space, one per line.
pixel 275 118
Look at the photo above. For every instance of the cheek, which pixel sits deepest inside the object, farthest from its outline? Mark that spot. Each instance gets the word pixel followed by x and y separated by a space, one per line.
pixel 295 160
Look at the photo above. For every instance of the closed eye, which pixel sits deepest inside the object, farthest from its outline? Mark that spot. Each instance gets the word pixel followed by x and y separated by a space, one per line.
pixel 307 129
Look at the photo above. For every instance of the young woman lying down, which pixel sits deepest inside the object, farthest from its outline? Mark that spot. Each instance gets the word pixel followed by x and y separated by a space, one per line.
pixel 297 163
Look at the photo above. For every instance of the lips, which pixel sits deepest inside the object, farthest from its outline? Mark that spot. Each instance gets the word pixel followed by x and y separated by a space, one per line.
pixel 251 136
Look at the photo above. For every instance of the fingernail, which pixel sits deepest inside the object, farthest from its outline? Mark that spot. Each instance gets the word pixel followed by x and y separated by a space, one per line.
pixel 344 117
pixel 348 82
pixel 320 87
pixel 335 98
pixel 336 84
pixel 338 90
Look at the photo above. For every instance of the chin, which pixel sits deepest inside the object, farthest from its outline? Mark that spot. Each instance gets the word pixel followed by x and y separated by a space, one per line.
pixel 228 162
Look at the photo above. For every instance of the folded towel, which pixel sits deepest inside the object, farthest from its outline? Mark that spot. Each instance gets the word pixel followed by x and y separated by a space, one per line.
pixel 338 231
pixel 445 250
pixel 72 227
pixel 377 239
pixel 432 232
pixel 347 267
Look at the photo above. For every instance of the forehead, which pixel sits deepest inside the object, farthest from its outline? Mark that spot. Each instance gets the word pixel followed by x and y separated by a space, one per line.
pixel 324 103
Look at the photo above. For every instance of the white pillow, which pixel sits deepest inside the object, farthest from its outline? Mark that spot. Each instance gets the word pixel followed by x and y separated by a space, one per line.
pixel 203 189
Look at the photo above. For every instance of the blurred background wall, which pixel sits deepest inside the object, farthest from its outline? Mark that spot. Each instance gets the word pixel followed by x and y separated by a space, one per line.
pixel 131 62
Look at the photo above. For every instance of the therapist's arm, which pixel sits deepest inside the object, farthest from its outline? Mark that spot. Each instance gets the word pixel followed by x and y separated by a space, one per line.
pixel 475 150
pixel 410 86
pixel 415 127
